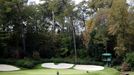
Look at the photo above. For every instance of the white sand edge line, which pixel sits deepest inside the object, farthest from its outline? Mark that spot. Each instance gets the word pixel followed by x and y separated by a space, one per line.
pixel 5 67
pixel 57 66
pixel 88 67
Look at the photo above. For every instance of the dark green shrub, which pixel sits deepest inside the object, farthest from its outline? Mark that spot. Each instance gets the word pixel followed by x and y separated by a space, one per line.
pixel 82 53
pixel 25 63
pixel 7 61
pixel 117 68
pixel 130 59
pixel 71 60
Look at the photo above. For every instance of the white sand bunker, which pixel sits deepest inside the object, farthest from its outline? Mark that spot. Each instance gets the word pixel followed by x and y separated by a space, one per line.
pixel 4 67
pixel 57 66
pixel 88 67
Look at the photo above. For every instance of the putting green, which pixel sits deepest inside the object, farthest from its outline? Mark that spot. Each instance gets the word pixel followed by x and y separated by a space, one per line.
pixel 107 71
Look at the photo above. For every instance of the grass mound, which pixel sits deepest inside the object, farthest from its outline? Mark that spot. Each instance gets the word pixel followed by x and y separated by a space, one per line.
pixel 106 71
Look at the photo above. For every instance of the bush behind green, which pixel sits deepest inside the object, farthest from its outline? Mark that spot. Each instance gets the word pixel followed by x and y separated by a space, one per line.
pixel 31 63
pixel 130 59
pixel 24 63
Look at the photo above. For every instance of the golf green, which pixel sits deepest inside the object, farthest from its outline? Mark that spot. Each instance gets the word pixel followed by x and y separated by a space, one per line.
pixel 107 71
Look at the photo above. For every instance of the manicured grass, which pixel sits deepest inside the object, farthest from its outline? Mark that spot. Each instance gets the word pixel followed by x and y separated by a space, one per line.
pixel 131 73
pixel 107 71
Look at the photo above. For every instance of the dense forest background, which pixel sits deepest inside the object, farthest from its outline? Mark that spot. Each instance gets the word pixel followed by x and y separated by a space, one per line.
pixel 62 29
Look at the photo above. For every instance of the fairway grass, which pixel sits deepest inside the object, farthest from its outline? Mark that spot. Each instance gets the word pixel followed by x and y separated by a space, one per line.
pixel 131 73
pixel 107 71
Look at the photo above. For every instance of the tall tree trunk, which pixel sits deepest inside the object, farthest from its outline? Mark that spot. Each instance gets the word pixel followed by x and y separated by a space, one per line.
pixel 74 39
pixel 22 29
pixel 23 40
pixel 53 25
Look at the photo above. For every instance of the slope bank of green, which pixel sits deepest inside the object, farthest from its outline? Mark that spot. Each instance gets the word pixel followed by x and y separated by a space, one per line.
pixel 107 71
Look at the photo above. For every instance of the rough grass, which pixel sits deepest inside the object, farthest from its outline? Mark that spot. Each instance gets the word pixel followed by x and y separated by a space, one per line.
pixel 131 73
pixel 107 71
